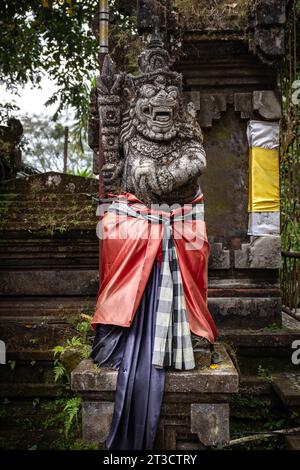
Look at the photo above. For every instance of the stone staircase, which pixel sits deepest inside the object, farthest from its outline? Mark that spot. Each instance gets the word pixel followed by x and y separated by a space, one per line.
pixel 287 386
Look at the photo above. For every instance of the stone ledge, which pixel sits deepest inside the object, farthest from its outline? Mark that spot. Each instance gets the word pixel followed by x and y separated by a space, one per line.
pixel 245 312
pixel 260 253
pixel 195 404
pixel 87 377
pixel 269 339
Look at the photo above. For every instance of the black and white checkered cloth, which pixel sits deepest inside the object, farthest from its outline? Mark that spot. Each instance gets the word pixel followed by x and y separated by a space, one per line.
pixel 172 338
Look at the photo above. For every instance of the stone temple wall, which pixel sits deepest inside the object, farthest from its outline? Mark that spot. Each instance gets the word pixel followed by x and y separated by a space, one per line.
pixel 229 59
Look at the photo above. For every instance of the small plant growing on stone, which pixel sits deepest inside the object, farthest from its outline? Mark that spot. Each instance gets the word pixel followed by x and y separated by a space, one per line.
pixel 262 372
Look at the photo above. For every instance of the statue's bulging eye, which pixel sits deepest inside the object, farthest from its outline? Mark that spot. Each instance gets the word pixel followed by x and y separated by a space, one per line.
pixel 173 92
pixel 148 91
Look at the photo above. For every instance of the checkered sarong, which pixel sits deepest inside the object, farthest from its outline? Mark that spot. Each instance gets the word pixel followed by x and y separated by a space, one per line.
pixel 172 337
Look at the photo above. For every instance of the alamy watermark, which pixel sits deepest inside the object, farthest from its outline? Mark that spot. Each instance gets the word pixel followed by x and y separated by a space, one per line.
pixel 296 93
pixel 2 352
pixel 184 222
pixel 296 354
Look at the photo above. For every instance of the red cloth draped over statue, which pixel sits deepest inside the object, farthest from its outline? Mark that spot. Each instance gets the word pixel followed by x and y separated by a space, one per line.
pixel 129 248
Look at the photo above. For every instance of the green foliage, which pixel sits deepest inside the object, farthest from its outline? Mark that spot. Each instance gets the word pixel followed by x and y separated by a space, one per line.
pixel 272 327
pixel 54 38
pixel 63 413
pixel 43 146
pixel 262 372
pixel 74 349
pixel 60 372
pixel 290 135
pixel 71 409
pixel 85 173
pixel 12 364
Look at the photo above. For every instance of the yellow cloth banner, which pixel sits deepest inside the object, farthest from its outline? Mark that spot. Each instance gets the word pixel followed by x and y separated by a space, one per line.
pixel 264 193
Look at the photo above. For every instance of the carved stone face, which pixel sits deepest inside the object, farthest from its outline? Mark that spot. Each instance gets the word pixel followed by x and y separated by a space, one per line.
pixel 156 110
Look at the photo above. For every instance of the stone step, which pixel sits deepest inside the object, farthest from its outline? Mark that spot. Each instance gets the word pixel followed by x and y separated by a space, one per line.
pixel 293 442
pixel 269 340
pixel 287 386
pixel 30 390
pixel 34 439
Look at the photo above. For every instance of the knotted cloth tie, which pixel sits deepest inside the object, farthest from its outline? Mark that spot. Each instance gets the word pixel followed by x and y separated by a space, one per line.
pixel 172 337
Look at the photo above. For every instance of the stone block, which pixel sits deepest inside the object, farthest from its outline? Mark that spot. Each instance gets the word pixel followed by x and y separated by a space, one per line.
pixel 293 442
pixel 245 311
pixel 219 257
pixel 243 104
pixel 211 107
pixel 180 416
pixel 87 378
pixel 210 421
pixel 270 12
pixel 96 420
pixel 265 252
pixel 287 386
pixel 267 103
pixel 270 41
pixel 241 257
pixel 55 282
pixel 194 97
pixel 260 253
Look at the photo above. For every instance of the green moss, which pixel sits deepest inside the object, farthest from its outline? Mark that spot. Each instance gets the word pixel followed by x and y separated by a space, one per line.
pixel 200 14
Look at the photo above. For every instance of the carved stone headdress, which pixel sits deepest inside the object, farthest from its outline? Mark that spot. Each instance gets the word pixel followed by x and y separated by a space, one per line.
pixel 154 61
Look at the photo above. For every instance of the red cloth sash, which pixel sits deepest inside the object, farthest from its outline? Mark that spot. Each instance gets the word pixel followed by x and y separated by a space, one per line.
pixel 129 248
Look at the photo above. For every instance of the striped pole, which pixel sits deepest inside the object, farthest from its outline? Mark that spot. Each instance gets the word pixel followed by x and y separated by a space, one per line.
pixel 103 30
pixel 103 51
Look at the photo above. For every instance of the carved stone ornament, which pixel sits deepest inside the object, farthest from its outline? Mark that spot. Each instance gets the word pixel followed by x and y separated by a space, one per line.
pixel 152 141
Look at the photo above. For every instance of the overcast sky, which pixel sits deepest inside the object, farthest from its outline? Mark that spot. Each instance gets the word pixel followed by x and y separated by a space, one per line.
pixel 32 100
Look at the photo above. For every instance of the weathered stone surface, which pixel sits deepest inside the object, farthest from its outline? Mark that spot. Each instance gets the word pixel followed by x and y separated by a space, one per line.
pixel 243 104
pixel 88 378
pixel 270 341
pixel 260 253
pixel 270 12
pixel 219 257
pixel 241 257
pixel 179 417
pixel 96 420
pixel 270 41
pixel 245 311
pixel 265 252
pixel 287 385
pixel 293 442
pixel 148 9
pixel 225 184
pixel 267 103
pixel 49 282
pixel 211 106
pixel 51 203
pixel 211 423
pixel 194 97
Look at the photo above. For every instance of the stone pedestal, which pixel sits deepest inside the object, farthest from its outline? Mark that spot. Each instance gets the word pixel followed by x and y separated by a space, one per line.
pixel 195 409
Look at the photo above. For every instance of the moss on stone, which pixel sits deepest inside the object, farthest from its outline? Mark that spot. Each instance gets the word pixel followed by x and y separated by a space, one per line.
pixel 221 15
pixel 52 203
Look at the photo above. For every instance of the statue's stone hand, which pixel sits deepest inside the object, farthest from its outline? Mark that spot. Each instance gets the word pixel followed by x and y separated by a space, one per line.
pixel 142 170
pixel 111 173
pixel 163 181
pixel 148 175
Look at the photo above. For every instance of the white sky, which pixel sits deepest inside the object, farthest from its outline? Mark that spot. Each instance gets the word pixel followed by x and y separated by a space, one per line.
pixel 32 100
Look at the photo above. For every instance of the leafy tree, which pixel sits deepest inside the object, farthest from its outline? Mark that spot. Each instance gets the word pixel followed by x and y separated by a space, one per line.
pixel 43 147
pixel 55 38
